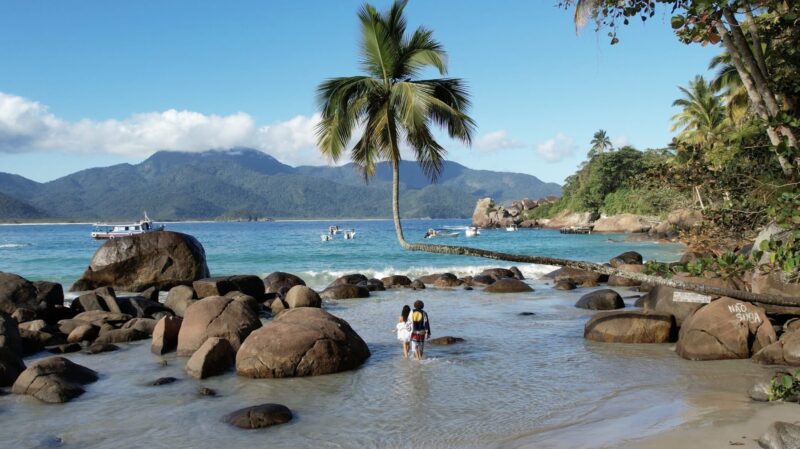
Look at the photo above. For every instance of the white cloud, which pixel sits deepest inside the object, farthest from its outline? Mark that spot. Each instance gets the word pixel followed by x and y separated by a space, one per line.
pixel 27 126
pixel 559 147
pixel 496 140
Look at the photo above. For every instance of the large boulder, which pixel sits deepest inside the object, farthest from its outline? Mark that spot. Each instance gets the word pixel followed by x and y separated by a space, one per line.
pixel 259 416
pixel 345 291
pixel 628 257
pixel 278 280
pixel 605 299
pixel 120 336
pixel 214 357
pixel 140 307
pixel 165 335
pixel 350 279
pixel 301 342
pixel 53 380
pixel 725 329
pixel 396 281
pixel 302 296
pixel 773 284
pixel 622 223
pixel 9 334
pixel 216 316
pixel 781 435
pixel 567 219
pixel 447 280
pixel 500 273
pixel 630 327
pixel 84 332
pixel 179 298
pixel 221 286
pixel 508 285
pixel 161 259
pixel 480 216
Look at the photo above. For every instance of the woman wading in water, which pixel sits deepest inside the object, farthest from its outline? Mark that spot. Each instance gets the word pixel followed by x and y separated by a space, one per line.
pixel 403 330
pixel 420 328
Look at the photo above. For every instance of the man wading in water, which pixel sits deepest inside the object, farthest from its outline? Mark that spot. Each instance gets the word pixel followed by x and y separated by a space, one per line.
pixel 420 328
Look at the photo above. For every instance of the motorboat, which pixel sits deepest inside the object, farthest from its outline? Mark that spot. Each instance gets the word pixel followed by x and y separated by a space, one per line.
pixel 433 233
pixel 333 230
pixel 103 231
pixel 512 228
pixel 472 231
pixel 350 234
pixel 325 237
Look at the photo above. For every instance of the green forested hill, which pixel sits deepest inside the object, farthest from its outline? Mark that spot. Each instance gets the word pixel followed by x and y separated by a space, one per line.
pixel 12 209
pixel 245 183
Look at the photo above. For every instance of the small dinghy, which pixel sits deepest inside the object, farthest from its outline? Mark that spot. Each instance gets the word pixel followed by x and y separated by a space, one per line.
pixel 433 233
pixel 512 228
pixel 472 231
pixel 325 237
pixel 350 235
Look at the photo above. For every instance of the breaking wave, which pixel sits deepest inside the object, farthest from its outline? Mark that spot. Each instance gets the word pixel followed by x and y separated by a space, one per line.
pixel 317 279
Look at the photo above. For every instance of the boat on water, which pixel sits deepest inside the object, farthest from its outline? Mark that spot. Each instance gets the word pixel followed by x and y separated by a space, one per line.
pixel 325 237
pixel 333 230
pixel 434 233
pixel 512 228
pixel 472 231
pixel 102 231
pixel 350 234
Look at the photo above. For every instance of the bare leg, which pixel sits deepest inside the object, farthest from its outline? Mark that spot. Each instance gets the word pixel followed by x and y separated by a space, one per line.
pixel 405 349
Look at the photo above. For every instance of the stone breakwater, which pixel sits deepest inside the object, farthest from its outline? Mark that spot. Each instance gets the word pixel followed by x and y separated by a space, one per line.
pixel 488 214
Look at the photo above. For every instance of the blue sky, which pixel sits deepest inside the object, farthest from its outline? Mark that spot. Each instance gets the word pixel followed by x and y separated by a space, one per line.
pixel 88 83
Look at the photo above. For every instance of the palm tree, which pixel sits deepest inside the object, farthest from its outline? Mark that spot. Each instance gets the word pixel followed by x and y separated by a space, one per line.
pixel 391 105
pixel 703 119
pixel 600 143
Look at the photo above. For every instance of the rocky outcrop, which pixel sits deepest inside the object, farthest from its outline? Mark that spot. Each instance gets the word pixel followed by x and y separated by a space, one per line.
pixel 297 296
pixel 54 380
pixel 301 342
pixel 9 334
pixel 161 259
pixel 725 329
pixel 214 357
pixel 447 340
pixel 216 316
pixel 677 221
pixel 605 299
pixel 630 327
pixel 259 416
pixel 626 258
pixel 487 214
pixel 350 279
pixel 576 276
pixel 11 366
pixel 661 299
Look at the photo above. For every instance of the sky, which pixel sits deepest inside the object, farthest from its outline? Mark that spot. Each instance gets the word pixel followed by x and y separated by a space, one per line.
pixel 100 82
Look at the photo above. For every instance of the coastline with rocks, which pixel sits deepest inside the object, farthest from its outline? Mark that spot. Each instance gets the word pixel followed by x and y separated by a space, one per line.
pixel 162 320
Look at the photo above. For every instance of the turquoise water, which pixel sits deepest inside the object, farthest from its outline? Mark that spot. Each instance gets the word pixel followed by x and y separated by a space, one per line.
pixel 61 252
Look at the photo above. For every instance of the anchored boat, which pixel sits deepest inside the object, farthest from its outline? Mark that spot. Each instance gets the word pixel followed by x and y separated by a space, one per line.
pixel 102 231
pixel 472 231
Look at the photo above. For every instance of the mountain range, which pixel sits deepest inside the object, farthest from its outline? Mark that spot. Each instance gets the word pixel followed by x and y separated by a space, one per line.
pixel 244 183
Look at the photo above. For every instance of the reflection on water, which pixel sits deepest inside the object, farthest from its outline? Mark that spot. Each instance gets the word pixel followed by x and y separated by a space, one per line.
pixel 517 381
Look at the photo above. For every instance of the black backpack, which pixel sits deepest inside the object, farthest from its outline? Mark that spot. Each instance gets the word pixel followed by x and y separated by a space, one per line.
pixel 418 320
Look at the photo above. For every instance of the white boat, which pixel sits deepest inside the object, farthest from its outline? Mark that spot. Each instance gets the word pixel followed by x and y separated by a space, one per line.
pixel 432 233
pixel 333 230
pixel 472 231
pixel 114 230
pixel 325 237
pixel 350 235
pixel 512 228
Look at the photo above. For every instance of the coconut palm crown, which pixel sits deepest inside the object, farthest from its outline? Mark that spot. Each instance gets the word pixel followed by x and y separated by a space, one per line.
pixel 390 104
